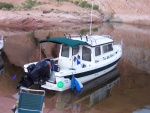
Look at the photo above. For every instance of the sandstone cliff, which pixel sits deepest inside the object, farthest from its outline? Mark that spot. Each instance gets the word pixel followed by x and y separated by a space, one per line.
pixel 127 11
pixel 47 15
pixel 67 14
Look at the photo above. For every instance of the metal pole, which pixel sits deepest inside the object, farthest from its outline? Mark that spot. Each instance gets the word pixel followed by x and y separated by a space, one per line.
pixel 91 17
pixel 40 51
pixel 72 59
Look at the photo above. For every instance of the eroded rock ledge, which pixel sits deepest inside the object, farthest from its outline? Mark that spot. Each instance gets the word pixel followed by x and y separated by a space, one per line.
pixel 40 20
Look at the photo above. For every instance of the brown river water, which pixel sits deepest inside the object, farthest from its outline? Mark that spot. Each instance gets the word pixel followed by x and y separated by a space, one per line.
pixel 130 92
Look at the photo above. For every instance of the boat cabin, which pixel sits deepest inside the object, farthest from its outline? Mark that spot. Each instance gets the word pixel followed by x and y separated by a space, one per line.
pixel 84 55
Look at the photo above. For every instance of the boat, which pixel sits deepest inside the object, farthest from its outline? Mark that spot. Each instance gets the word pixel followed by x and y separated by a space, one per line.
pixel 81 57
pixel 1 43
pixel 93 92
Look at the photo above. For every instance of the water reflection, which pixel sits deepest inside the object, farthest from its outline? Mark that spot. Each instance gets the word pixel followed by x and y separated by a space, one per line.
pixel 7 71
pixel 93 92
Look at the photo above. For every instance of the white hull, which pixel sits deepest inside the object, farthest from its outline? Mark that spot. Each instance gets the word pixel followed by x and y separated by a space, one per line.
pixel 52 86
pixel 93 76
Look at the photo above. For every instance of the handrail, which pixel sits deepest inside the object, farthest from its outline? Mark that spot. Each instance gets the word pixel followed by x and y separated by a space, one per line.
pixel 107 36
pixel 87 38
pixel 73 36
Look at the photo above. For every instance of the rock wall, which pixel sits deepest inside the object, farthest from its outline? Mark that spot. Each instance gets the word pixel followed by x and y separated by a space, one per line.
pixel 32 20
pixel 125 6
pixel 66 14
pixel 127 11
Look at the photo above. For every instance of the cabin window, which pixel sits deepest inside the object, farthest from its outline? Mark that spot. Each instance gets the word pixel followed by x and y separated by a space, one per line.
pixel 107 48
pixel 86 54
pixel 104 48
pixel 97 51
pixel 75 50
pixel 110 48
pixel 65 51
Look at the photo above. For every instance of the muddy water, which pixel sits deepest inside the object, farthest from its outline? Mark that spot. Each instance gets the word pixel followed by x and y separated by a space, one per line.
pixel 127 96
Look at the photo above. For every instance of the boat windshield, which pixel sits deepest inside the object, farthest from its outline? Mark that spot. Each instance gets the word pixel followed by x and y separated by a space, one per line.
pixel 107 48
pixel 65 51
pixel 75 50
pixel 86 54
pixel 97 51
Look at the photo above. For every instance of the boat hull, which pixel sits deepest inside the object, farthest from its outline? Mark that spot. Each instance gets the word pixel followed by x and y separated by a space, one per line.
pixel 82 77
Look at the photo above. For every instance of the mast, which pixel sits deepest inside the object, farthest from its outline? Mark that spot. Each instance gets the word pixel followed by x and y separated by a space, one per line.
pixel 40 51
pixel 91 17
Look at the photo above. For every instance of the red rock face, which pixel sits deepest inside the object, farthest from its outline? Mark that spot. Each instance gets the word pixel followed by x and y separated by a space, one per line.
pixel 125 6
pixel 22 20
pixel 40 17
pixel 23 47
pixel 127 11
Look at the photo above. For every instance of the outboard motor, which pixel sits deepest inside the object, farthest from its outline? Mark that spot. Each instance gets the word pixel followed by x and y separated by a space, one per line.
pixel 37 74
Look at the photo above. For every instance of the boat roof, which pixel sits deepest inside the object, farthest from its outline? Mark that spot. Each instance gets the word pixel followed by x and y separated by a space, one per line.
pixel 66 41
pixel 75 40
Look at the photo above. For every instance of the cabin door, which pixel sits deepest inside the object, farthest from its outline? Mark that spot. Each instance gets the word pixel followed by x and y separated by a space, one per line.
pixel 65 57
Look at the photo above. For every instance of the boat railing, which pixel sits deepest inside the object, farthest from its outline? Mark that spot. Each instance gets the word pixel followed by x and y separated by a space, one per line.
pixel 95 40
pixel 86 38
pixel 91 39
pixel 73 36
pixel 107 36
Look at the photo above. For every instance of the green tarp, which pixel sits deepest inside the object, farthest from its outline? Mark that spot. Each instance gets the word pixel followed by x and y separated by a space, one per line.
pixel 66 41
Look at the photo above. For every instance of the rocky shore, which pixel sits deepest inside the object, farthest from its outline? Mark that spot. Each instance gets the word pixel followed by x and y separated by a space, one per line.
pixel 50 14
pixel 39 20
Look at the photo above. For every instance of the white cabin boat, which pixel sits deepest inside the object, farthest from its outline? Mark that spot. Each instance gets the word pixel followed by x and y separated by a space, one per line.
pixel 82 57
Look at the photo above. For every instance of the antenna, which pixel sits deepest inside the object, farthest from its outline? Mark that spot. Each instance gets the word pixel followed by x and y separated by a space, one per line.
pixel 91 17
